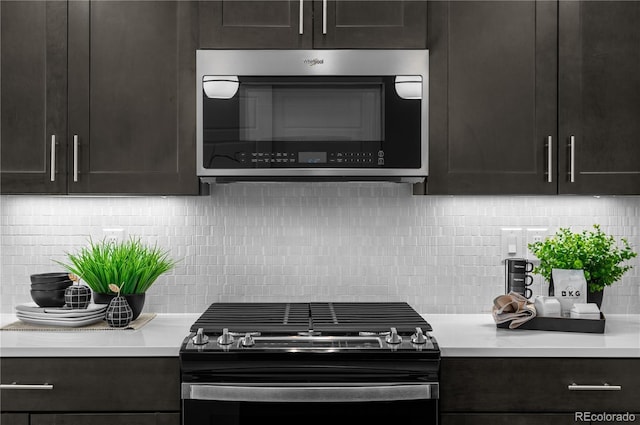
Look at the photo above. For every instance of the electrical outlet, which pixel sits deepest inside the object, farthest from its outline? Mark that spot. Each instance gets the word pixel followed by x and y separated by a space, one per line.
pixel 537 234
pixel 113 234
pixel 511 242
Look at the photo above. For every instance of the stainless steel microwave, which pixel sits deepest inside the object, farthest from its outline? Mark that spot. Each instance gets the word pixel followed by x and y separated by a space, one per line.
pixel 312 115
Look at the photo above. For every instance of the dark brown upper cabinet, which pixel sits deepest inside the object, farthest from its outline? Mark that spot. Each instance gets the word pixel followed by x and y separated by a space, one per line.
pixel 492 97
pixel 599 97
pixel 132 97
pixel 118 80
pixel 534 97
pixel 306 24
pixel 33 96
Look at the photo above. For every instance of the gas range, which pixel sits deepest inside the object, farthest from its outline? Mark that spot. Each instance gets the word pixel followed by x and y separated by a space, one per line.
pixel 339 363
pixel 311 327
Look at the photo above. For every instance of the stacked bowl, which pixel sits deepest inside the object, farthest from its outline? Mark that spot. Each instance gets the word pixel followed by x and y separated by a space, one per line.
pixel 47 289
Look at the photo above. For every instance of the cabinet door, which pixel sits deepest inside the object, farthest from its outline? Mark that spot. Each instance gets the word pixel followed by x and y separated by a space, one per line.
pixel 107 419
pixel 599 74
pixel 251 24
pixel 492 97
pixel 132 97
pixel 33 96
pixel 380 24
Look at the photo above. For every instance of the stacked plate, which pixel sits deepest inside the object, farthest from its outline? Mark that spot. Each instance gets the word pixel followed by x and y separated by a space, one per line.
pixel 60 316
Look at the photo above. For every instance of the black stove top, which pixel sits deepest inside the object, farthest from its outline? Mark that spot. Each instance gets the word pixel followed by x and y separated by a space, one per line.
pixel 322 318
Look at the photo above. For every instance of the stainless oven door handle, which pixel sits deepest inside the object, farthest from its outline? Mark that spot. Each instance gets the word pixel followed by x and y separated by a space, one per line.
pixel 321 393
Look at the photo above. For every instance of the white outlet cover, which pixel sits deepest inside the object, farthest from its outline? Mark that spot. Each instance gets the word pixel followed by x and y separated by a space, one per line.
pixel 534 234
pixel 113 234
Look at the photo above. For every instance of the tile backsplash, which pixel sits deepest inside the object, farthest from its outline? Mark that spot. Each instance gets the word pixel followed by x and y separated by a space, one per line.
pixel 311 242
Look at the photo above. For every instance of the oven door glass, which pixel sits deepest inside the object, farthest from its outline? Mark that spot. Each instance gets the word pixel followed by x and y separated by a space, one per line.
pixel 416 412
pixel 311 122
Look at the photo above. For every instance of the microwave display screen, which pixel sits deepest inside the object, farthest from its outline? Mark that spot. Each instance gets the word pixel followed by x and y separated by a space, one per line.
pixel 309 122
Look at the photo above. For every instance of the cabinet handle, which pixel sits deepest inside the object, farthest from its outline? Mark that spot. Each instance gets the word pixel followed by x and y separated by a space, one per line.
pixel 301 14
pixel 572 170
pixel 53 157
pixel 603 387
pixel 16 386
pixel 75 158
pixel 324 16
pixel 550 159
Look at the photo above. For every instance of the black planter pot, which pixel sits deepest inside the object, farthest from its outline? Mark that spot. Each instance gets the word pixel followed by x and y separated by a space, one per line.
pixel 595 297
pixel 135 301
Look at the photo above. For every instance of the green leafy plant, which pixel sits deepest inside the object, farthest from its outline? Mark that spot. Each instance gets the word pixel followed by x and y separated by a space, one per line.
pixel 131 264
pixel 592 251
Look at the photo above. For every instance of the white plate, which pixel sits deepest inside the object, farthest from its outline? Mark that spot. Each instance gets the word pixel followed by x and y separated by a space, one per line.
pixel 33 309
pixel 59 322
pixel 45 316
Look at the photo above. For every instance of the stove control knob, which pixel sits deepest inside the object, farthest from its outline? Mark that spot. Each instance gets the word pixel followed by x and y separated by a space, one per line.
pixel 248 340
pixel 226 338
pixel 200 338
pixel 393 337
pixel 418 337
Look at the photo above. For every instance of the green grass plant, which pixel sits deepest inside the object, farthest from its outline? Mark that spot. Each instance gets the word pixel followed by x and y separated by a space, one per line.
pixel 129 264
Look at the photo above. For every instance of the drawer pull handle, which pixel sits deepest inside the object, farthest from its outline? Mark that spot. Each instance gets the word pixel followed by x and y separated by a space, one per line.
pixel 604 387
pixel 16 386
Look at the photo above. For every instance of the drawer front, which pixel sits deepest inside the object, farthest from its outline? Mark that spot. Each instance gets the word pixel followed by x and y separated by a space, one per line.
pixel 91 384
pixel 506 419
pixel 538 385
pixel 107 419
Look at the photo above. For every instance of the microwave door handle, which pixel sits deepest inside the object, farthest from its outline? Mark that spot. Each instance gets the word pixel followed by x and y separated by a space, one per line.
pixel 327 393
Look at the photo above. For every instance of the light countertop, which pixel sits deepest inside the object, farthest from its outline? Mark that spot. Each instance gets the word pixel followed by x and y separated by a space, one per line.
pixel 459 335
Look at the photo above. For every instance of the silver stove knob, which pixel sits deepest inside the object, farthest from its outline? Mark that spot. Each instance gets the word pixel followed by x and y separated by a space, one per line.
pixel 418 337
pixel 200 338
pixel 393 337
pixel 248 340
pixel 226 338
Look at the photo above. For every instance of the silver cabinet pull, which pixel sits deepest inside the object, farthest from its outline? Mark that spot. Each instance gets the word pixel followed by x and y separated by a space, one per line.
pixel 550 159
pixel 301 14
pixel 572 170
pixel 53 157
pixel 603 387
pixel 324 16
pixel 75 158
pixel 16 386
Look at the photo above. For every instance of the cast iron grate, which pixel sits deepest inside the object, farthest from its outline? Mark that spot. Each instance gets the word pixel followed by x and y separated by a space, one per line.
pixel 351 318
pixel 283 318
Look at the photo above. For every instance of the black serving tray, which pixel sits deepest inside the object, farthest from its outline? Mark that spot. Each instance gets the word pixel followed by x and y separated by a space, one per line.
pixel 562 324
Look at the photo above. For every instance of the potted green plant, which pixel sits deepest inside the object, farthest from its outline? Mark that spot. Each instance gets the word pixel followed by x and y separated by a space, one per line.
pixel 593 251
pixel 130 264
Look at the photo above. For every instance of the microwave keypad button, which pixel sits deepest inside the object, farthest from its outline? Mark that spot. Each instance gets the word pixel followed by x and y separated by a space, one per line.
pixel 380 161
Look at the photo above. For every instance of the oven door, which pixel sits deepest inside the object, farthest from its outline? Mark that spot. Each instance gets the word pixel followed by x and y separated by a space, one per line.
pixel 325 403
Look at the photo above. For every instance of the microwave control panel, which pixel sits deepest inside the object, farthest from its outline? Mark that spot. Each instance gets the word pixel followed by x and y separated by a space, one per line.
pixel 311 159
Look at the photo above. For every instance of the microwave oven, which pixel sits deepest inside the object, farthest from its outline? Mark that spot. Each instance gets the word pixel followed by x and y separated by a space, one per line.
pixel 334 115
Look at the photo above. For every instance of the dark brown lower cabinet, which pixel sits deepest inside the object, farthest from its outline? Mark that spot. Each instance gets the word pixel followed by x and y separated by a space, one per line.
pixel 107 419
pixel 91 391
pixel 14 419
pixel 506 419
pixel 523 391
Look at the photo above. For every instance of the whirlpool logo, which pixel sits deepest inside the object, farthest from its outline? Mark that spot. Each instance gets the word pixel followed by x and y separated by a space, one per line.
pixel 314 61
